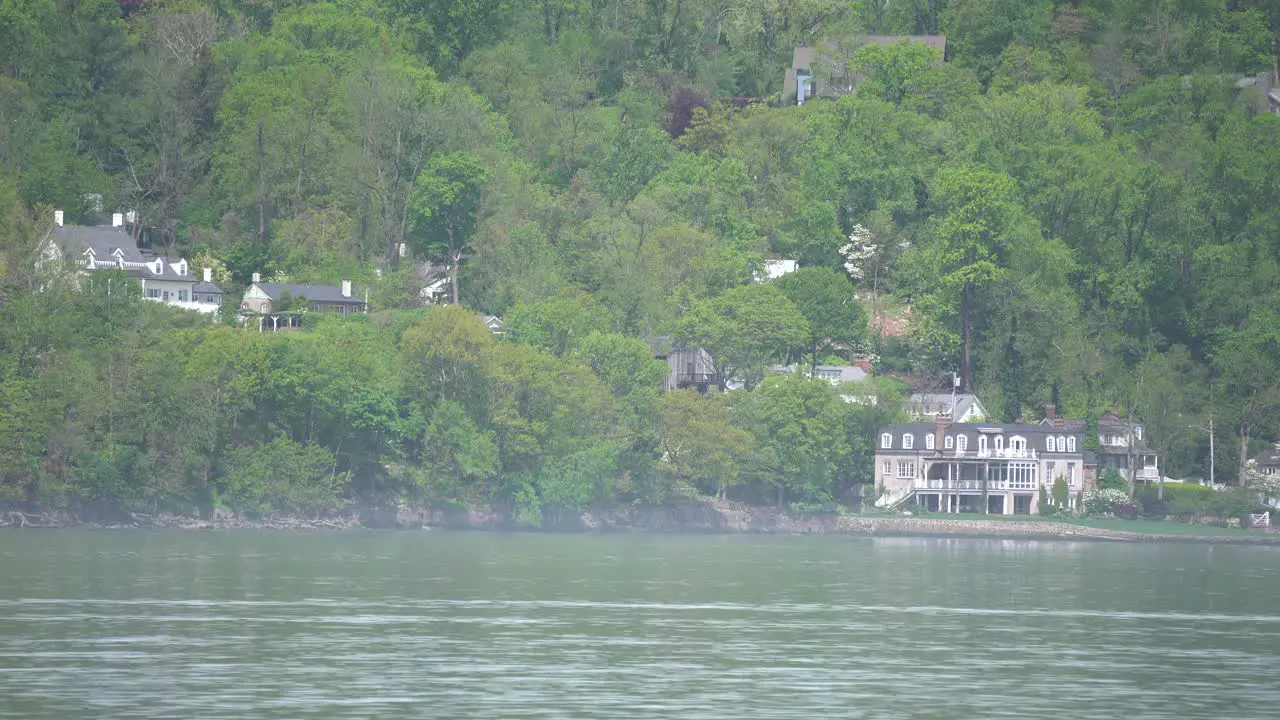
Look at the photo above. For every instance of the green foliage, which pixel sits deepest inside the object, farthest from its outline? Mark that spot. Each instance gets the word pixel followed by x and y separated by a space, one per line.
pixel 1110 479
pixel 826 300
pixel 744 329
pixel 280 475
pixel 1075 207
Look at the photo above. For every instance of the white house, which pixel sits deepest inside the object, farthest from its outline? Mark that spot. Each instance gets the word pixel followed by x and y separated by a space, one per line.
pixel 960 408
pixel 91 248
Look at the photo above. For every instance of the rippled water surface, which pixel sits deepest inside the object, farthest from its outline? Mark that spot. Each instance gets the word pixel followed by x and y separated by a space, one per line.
pixel 438 625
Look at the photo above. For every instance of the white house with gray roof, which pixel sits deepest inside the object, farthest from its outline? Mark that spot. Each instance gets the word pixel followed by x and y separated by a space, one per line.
pixel 976 467
pixel 266 298
pixel 91 248
pixel 961 407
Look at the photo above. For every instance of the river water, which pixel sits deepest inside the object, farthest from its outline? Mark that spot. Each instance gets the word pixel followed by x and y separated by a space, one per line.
pixel 136 624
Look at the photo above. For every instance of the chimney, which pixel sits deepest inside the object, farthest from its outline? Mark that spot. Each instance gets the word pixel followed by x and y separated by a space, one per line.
pixel 1050 412
pixel 208 275
pixel 117 219
pixel 941 423
pixel 57 217
pixel 346 288
pixel 257 277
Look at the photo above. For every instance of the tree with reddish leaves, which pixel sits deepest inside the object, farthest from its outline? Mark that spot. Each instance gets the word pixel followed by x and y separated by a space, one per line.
pixel 680 110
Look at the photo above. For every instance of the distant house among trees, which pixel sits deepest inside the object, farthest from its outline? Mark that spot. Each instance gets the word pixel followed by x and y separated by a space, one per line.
pixel 88 249
pixel 823 71
pixel 268 299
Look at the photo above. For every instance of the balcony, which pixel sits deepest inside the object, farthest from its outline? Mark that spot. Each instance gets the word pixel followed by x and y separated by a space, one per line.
pixel 972 485
pixel 1001 454
pixel 688 379
pixel 1149 473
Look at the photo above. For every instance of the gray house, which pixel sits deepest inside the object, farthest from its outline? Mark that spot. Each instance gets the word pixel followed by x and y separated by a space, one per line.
pixel 823 71
pixel 688 366
pixel 976 467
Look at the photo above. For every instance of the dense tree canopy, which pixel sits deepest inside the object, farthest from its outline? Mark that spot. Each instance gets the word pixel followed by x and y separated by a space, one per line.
pixel 1078 206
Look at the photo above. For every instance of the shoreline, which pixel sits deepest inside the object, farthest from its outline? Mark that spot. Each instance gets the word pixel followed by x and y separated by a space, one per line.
pixel 708 517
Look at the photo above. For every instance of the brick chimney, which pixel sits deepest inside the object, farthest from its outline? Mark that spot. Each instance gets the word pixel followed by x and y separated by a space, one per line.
pixel 1050 412
pixel 940 425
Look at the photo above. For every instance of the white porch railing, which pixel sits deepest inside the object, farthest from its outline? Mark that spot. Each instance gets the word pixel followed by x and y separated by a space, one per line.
pixel 969 484
pixel 888 500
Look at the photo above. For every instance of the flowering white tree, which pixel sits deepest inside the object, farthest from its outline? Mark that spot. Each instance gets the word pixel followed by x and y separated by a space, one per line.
pixel 859 252
pixel 1266 485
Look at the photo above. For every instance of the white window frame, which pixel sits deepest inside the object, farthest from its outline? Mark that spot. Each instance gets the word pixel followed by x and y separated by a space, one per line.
pixel 1048 443
pixel 962 442
pixel 1018 443
pixel 906 470
pixel 982 443
pixel 1071 444
pixel 949 442
pixel 908 441
pixel 888 467
pixel 1062 444
pixel 929 442
pixel 999 443
pixel 886 441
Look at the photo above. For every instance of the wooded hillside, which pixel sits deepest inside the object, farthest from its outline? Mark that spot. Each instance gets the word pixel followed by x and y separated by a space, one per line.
pixel 1079 207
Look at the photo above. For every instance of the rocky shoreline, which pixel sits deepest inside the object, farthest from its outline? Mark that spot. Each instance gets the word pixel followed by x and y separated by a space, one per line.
pixel 699 517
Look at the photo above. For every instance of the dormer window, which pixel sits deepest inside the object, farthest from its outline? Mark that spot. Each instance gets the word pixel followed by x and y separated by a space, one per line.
pixel 1062 444
pixel 1018 444
pixel 949 442
pixel 886 441
pixel 962 442
pixel 982 443
pixel 1048 443
pixel 928 442
pixel 999 443
pixel 908 440
pixel 1071 444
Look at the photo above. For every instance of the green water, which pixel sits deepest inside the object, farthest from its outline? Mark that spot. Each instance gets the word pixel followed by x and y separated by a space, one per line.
pixel 189 625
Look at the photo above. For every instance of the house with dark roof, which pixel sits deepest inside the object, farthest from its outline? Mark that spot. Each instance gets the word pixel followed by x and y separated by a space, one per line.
pixel 91 248
pixel 989 468
pixel 960 407
pixel 1121 446
pixel 823 71
pixel 274 299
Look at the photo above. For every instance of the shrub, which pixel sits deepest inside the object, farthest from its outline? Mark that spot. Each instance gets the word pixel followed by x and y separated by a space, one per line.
pixel 1106 501
pixel 1111 480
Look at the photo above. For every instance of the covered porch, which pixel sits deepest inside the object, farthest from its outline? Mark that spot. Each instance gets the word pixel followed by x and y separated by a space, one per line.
pixel 960 486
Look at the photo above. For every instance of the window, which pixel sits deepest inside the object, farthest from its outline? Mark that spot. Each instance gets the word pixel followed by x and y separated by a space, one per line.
pixel 153 293
pixel 1071 473
pixel 999 443
pixel 963 441
pixel 182 295
pixel 906 469
pixel 888 467
pixel 928 442
pixel 1048 443
pixel 982 443
pixel 1062 444
pixel 1022 475
pixel 1071 444
pixel 886 441
pixel 1018 444
pixel 949 442
pixel 908 440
